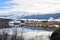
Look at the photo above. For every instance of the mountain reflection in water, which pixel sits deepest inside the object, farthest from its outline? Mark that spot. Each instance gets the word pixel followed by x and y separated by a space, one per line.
pixel 24 33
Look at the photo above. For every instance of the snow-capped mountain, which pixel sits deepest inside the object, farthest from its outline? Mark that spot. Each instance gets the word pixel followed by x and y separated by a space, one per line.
pixel 26 15
pixel 44 16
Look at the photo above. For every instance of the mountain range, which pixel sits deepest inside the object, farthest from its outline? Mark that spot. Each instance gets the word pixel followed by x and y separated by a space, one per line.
pixel 44 16
pixel 25 15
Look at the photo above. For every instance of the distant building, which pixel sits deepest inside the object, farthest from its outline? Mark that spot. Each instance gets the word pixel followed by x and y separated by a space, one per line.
pixel 16 22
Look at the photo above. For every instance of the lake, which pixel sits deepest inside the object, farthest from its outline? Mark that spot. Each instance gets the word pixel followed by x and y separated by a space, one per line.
pixel 25 33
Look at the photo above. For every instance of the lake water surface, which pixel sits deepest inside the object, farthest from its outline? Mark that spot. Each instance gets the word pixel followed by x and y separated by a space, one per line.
pixel 25 33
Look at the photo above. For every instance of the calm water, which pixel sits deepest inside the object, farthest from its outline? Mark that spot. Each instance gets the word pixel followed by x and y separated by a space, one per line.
pixel 24 33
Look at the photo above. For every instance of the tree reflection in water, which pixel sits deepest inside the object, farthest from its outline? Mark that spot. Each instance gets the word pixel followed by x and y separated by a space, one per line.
pixel 21 33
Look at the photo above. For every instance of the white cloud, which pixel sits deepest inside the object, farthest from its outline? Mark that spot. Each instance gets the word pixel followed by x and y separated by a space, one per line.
pixel 40 6
pixel 32 7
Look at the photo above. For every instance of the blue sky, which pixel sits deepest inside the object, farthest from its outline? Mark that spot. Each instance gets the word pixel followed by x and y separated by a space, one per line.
pixel 30 6
pixel 4 4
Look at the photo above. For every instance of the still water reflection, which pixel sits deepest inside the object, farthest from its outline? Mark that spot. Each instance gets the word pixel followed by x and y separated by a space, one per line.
pixel 24 33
